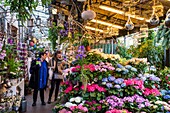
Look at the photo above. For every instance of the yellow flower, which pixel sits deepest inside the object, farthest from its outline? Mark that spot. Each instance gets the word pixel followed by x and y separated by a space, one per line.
pixel 155 106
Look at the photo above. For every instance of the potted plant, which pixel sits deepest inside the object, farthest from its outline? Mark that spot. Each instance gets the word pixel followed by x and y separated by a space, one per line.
pixel 86 44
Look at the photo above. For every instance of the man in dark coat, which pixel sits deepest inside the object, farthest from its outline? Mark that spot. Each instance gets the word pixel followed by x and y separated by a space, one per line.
pixel 39 77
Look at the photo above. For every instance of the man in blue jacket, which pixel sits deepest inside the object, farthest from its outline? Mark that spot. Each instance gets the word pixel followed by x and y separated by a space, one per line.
pixel 39 77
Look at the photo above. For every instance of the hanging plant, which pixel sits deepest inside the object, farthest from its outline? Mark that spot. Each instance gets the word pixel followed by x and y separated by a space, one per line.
pixel 24 8
pixel 53 35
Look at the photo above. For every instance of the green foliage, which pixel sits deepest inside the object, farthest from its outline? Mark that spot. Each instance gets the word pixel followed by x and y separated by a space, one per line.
pixel 163 35
pixel 123 52
pixel 85 42
pixel 154 54
pixel 24 7
pixel 53 34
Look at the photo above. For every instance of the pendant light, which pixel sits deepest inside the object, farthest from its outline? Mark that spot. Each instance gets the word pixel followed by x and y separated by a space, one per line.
pixel 88 14
pixel 129 24
pixel 154 20
pixel 38 21
pixel 64 2
pixel 167 21
pixel 81 0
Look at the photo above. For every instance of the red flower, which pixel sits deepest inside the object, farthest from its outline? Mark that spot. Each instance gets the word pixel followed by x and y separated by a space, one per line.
pixel 68 89
pixel 76 69
pixel 99 107
pixel 76 89
pixel 91 88
pixel 166 77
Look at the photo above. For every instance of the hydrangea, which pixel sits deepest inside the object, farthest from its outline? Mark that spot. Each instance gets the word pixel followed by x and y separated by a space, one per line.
pixel 104 80
pixel 123 85
pixel 118 81
pixel 133 69
pixel 111 78
pixel 118 70
pixel 117 86
pixel 166 97
pixel 128 66
pixel 109 85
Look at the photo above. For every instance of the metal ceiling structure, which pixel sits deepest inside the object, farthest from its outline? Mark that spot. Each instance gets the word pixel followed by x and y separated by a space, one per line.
pixel 140 11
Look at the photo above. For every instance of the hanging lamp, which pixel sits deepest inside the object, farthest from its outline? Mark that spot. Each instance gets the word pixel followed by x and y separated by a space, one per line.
pixel 167 19
pixel 154 20
pixel 88 14
pixel 129 24
pixel 81 0
pixel 64 2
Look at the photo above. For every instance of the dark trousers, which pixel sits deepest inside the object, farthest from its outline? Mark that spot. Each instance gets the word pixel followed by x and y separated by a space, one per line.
pixel 55 84
pixel 35 94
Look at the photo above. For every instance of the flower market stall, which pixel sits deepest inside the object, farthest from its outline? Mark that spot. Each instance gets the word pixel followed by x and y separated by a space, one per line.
pixel 106 83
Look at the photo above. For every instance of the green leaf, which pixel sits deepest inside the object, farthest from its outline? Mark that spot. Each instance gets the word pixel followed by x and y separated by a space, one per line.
pixel 93 94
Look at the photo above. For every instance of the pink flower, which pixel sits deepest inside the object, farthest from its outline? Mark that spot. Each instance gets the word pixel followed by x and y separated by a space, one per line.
pixel 68 89
pixel 76 69
pixel 155 92
pixel 76 89
pixel 101 89
pixel 99 107
pixel 90 88
pixel 85 109
pixel 72 108
pixel 129 82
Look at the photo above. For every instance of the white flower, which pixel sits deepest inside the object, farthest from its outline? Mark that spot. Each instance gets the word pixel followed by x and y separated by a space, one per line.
pixel 158 102
pixel 68 104
pixel 72 99
pixel 73 105
pixel 78 99
pixel 167 108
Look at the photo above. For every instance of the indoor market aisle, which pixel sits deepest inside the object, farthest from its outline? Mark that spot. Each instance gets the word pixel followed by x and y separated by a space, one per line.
pixel 39 108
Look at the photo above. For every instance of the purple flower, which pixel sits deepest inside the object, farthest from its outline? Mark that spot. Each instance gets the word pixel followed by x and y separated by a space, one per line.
pixel 117 86
pixel 140 100
pixel 118 81
pixel 147 104
pixel 104 80
pixel 111 78
pixel 154 78
pixel 109 85
pixel 141 106
pixel 81 48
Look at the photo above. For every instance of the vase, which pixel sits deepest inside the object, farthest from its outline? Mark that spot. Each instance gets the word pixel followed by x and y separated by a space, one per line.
pixel 87 48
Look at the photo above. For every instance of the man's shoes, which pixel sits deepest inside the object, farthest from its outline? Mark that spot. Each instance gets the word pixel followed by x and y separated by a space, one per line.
pixel 34 104
pixel 43 103
pixel 49 102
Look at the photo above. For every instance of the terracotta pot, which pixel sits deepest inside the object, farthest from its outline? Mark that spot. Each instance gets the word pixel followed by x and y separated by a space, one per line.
pixel 87 48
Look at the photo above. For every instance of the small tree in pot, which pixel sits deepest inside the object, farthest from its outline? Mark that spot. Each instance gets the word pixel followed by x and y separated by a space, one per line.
pixel 86 44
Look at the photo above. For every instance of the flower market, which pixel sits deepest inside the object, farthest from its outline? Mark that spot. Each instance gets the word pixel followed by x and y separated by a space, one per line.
pixel 85 56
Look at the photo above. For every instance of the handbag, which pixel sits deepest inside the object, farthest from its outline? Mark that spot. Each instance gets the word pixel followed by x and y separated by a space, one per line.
pixel 50 74
pixel 58 76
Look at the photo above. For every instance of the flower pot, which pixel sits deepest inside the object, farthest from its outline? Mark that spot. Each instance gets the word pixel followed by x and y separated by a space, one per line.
pixel 87 48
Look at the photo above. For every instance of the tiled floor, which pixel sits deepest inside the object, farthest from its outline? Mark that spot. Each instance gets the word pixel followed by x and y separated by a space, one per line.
pixel 39 108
